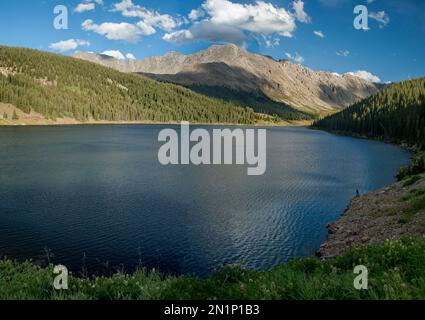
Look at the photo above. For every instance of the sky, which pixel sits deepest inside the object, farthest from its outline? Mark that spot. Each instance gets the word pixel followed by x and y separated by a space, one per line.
pixel 319 34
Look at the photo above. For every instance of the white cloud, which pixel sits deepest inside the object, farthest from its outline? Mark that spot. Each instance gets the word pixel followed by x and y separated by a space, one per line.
pixel 343 53
pixel 365 75
pixel 181 36
pixel 215 21
pixel 320 34
pixel 83 7
pixel 114 54
pixel 295 57
pixel 153 18
pixel 116 31
pixel 207 31
pixel 382 18
pixel 301 15
pixel 67 45
pixel 88 5
pixel 130 56
pixel 261 17
pixel 147 29
pixel 224 21
pixel 196 14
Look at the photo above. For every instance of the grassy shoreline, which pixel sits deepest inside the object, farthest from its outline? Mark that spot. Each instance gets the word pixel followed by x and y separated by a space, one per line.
pixel 396 271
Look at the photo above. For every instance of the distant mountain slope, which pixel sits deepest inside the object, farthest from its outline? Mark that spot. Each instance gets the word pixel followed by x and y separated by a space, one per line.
pixel 396 113
pixel 58 86
pixel 234 68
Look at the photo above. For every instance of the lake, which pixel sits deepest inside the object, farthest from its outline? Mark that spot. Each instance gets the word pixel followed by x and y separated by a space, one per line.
pixel 96 198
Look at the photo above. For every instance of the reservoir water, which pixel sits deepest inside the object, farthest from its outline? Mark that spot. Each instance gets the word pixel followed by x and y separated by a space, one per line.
pixel 96 198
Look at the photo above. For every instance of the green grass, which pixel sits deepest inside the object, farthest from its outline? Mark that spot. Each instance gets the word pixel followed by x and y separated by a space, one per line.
pixel 413 194
pixel 411 180
pixel 416 204
pixel 396 271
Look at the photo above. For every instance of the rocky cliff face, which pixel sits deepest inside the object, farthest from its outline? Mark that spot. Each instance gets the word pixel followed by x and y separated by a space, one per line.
pixel 236 68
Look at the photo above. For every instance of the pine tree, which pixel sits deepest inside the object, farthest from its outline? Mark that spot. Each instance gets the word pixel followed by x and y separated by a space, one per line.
pixel 396 113
pixel 58 86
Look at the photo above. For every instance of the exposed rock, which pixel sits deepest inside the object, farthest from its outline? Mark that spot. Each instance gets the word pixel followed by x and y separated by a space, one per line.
pixel 386 214
pixel 236 68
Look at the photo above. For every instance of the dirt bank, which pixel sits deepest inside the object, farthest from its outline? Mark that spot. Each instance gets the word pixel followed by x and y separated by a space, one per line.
pixel 389 213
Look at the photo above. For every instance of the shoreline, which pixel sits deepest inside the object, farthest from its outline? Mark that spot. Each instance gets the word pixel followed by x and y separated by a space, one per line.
pixel 389 213
pixel 9 124
pixel 34 119
pixel 392 212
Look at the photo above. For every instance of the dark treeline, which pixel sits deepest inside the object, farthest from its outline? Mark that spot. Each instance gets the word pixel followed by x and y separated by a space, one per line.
pixel 396 113
pixel 59 86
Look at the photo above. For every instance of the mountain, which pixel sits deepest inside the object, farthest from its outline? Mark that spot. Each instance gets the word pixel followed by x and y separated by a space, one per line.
pixel 396 113
pixel 233 69
pixel 56 86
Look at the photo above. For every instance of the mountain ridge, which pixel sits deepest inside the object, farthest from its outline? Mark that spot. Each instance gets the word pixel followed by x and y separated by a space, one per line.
pixel 282 81
pixel 56 86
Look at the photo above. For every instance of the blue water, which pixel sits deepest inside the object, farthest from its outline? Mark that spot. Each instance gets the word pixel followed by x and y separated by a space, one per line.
pixel 97 198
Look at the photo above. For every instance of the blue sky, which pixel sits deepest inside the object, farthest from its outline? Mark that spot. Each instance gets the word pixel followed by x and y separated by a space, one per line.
pixel 317 33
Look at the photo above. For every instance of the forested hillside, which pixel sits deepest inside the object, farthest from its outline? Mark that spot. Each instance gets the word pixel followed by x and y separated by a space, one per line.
pixel 396 113
pixel 257 100
pixel 58 86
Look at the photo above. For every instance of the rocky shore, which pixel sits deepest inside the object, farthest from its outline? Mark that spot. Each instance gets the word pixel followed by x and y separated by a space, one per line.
pixel 389 213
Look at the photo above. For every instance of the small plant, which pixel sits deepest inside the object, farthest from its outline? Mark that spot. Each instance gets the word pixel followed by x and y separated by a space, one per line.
pixel 15 116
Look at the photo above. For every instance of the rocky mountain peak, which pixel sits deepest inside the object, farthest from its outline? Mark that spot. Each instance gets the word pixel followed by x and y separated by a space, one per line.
pixel 234 67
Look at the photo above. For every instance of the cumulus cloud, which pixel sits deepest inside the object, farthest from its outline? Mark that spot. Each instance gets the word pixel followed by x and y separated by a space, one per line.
pixel 67 45
pixel 147 29
pixel 261 17
pixel 207 31
pixel 365 75
pixel 153 18
pixel 149 22
pixel 181 36
pixel 320 34
pixel 196 14
pixel 215 21
pixel 301 15
pixel 295 57
pixel 382 17
pixel 87 5
pixel 116 31
pixel 225 21
pixel 83 7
